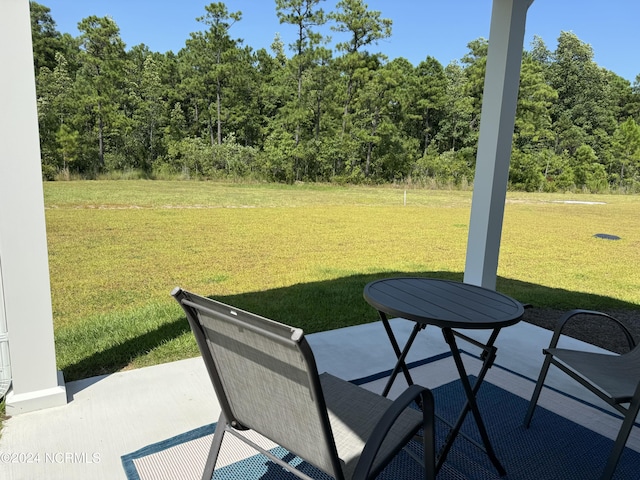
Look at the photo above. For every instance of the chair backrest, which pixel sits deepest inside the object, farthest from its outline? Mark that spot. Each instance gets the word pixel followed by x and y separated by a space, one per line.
pixel 265 378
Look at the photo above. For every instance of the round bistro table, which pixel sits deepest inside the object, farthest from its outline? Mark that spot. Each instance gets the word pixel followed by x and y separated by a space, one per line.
pixel 447 305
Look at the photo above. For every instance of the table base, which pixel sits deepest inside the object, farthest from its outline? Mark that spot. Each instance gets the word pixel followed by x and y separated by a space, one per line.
pixel 488 356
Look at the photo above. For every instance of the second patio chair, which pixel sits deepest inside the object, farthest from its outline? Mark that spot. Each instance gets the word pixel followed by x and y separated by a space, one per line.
pixel 264 375
pixel 613 378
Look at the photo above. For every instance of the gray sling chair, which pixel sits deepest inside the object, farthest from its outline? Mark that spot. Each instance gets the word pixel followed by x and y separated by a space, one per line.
pixel 264 375
pixel 613 378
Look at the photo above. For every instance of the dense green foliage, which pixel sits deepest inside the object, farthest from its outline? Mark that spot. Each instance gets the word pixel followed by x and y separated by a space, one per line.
pixel 343 114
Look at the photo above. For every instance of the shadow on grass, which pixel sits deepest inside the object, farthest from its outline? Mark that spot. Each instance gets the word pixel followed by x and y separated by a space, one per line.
pixel 326 305
pixel 119 356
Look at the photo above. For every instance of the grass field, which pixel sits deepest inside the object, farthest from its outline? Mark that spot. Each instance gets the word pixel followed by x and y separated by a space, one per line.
pixel 301 254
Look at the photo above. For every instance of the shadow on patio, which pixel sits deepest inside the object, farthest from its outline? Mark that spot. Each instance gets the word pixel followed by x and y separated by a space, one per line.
pixel 119 413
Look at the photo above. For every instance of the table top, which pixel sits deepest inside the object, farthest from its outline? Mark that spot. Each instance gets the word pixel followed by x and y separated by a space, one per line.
pixel 444 303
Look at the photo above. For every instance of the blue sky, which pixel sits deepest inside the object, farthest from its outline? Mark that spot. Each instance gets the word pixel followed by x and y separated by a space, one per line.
pixel 439 28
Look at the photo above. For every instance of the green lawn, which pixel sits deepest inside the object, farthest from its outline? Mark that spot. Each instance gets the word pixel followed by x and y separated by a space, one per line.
pixel 301 254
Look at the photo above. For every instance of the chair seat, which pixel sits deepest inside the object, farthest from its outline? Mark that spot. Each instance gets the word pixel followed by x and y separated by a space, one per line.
pixel 615 375
pixel 353 414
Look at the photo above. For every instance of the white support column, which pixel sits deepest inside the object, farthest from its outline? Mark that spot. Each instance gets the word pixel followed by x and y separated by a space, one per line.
pixel 24 265
pixel 499 102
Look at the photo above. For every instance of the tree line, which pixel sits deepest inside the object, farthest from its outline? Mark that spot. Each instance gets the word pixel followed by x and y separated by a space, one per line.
pixel 319 113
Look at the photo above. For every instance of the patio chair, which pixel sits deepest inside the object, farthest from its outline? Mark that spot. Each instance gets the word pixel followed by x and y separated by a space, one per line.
pixel 613 378
pixel 265 377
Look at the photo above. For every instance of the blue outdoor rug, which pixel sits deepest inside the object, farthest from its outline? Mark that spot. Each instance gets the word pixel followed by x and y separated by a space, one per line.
pixel 552 448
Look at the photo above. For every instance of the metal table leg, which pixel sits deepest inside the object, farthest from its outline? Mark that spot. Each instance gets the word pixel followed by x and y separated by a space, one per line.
pixel 400 355
pixel 488 356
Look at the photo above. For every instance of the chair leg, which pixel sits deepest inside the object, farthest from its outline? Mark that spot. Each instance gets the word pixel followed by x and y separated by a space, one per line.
pixel 623 435
pixel 429 436
pixel 216 443
pixel 537 390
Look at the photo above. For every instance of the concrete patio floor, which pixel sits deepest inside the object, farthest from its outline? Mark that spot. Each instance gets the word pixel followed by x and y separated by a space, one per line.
pixel 112 415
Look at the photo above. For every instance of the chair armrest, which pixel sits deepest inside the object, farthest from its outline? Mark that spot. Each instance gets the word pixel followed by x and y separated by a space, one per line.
pixel 562 321
pixel 411 394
